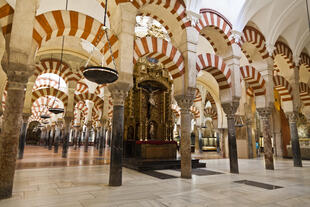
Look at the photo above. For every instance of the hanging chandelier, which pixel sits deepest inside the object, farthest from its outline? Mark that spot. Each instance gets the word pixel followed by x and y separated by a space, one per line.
pixel 102 74
pixel 45 115
pixel 53 109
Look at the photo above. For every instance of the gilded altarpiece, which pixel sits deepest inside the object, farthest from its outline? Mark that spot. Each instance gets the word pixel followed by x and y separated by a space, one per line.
pixel 148 114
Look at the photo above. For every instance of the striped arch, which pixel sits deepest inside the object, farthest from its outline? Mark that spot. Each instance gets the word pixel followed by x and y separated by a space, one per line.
pixel 98 102
pixel 283 87
pixel 6 17
pixel 55 66
pixel 216 67
pixel 71 23
pixel 304 91
pixel 213 105
pixel 100 89
pixel 254 80
pixel 163 51
pixel 195 112
pixel 305 60
pixel 197 96
pixel 210 112
pixel 42 104
pixel 81 88
pixel 176 8
pixel 42 82
pixel 50 92
pixel 253 36
pixel 161 21
pixel 285 51
pixel 211 18
pixel 35 118
pixel 176 110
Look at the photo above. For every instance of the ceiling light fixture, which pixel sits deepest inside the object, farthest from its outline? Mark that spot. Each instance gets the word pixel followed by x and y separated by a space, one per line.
pixel 102 74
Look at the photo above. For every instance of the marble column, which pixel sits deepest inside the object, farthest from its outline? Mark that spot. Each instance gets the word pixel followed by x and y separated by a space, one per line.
pixel 264 114
pixel 65 145
pixel 51 138
pixel 250 142
pixel 185 102
pixel 293 116
pixel 17 79
pixel 22 137
pixel 119 92
pixel 102 138
pixel 230 111
pixel 57 135
pixel 87 135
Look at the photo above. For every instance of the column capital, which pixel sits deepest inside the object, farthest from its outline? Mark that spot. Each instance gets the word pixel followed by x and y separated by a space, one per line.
pixel 264 113
pixel 25 117
pixel 68 119
pixel 270 48
pixel 292 116
pixel 185 101
pixel 119 92
pixel 230 109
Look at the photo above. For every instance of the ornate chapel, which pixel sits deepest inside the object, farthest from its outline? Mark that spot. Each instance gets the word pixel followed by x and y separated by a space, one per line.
pixel 154 103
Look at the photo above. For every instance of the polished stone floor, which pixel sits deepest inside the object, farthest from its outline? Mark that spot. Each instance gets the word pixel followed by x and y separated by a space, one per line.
pixel 87 186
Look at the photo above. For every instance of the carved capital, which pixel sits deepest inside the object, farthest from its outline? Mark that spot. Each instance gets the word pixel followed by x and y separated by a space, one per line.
pixel 17 74
pixel 292 116
pixel 264 113
pixel 25 117
pixel 186 101
pixel 68 120
pixel 230 109
pixel 119 92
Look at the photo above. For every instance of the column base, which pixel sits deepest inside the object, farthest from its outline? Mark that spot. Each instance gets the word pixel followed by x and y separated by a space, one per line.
pixel 5 192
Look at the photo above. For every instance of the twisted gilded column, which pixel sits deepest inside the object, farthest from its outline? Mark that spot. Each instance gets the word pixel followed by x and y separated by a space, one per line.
pixel 264 114
pixel 22 137
pixel 230 111
pixel 68 120
pixel 118 92
pixel 185 102
pixel 292 118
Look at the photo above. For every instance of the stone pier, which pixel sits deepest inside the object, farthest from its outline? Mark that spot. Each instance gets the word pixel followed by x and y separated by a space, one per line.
pixel 293 116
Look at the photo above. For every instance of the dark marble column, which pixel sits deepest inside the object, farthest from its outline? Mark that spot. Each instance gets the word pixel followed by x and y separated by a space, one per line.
pixel 185 102
pixel 250 142
pixel 102 138
pixel 81 132
pixel 87 135
pixel 293 116
pixel 65 145
pixel 230 111
pixel 22 137
pixel 57 136
pixel 264 114
pixel 118 92
pixel 51 138
pixel 12 119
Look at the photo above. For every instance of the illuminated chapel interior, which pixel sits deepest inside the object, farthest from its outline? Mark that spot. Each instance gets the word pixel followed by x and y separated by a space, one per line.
pixel 174 89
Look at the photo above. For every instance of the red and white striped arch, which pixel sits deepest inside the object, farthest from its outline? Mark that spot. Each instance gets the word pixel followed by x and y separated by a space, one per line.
pixel 50 92
pixel 198 97
pixel 283 87
pixel 98 102
pixel 100 89
pixel 81 88
pixel 42 82
pixel 211 18
pixel 210 112
pixel 71 23
pixel 35 118
pixel 164 52
pixel 195 111
pixel 304 92
pixel 42 104
pixel 254 79
pixel 176 110
pixel 285 51
pixel 253 36
pixel 176 8
pixel 55 66
pixel 213 105
pixel 216 67
pixel 305 60
pixel 6 17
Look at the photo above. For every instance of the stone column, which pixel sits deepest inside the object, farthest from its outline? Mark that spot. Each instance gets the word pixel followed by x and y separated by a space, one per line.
pixel 230 111
pixel 87 135
pixel 264 114
pixel 118 92
pixel 51 137
pixel 102 138
pixel 293 116
pixel 22 137
pixel 65 145
pixel 250 142
pixel 57 135
pixel 185 102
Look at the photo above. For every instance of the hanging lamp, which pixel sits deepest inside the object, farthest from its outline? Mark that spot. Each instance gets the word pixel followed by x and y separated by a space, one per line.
pixel 102 74
pixel 53 109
